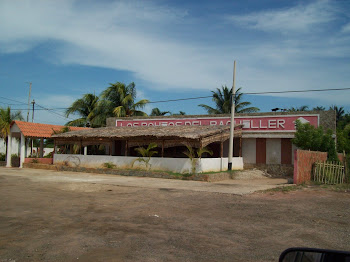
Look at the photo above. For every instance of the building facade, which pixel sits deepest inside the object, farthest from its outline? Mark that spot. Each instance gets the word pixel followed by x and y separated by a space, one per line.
pixel 266 138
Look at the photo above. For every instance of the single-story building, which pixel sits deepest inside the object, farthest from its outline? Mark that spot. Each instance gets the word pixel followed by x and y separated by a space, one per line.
pixel 120 144
pixel 261 139
pixel 26 130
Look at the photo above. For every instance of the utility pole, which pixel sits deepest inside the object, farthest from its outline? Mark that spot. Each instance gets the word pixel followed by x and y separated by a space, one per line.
pixel 32 144
pixel 33 102
pixel 30 89
pixel 232 124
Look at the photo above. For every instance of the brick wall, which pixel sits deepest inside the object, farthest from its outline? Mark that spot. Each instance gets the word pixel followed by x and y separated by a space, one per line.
pixel 303 161
pixel 48 161
pixel 341 157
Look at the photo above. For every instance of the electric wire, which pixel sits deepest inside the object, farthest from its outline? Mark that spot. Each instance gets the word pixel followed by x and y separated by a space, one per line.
pixel 203 97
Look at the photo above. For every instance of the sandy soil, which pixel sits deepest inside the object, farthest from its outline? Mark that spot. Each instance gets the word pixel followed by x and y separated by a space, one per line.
pixel 70 221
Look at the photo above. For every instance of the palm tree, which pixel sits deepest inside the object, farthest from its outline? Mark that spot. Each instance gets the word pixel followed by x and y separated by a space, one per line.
pixel 301 108
pixel 319 108
pixel 86 108
pixel 146 154
pixel 181 113
pixel 191 153
pixel 339 112
pixel 119 100
pixel 6 118
pixel 157 112
pixel 222 99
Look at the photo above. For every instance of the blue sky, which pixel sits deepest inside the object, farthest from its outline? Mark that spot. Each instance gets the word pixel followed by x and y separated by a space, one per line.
pixel 173 49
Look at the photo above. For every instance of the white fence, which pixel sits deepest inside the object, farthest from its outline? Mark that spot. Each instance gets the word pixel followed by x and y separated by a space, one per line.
pixel 177 165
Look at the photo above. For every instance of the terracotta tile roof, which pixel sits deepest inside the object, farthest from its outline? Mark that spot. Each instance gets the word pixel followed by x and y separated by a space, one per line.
pixel 29 129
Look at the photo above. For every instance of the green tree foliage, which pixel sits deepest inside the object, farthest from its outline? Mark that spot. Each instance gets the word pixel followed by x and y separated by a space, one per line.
pixel 343 139
pixel 87 108
pixel 344 121
pixel 181 113
pixel 156 112
pixel 339 112
pixel 307 137
pixel 6 118
pixel 296 109
pixel 319 108
pixel 119 100
pixel 222 100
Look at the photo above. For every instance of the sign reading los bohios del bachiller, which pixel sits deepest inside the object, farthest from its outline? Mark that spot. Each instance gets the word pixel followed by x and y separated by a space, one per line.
pixel 252 123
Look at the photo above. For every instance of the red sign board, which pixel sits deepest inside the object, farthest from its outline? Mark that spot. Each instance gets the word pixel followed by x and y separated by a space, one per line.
pixel 251 124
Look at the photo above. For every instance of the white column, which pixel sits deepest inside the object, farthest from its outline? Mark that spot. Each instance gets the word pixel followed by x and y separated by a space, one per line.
pixel 85 150
pixel 41 147
pixel 23 149
pixel 9 149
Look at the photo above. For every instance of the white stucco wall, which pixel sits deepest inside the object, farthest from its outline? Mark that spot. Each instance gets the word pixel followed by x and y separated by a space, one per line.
pixel 220 164
pixel 249 150
pixel 16 145
pixel 177 165
pixel 273 151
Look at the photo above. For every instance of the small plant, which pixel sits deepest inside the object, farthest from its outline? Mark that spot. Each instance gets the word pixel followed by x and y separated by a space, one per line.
pixel 191 153
pixel 146 154
pixel 35 161
pixel 109 165
pixel 49 155
pixel 2 157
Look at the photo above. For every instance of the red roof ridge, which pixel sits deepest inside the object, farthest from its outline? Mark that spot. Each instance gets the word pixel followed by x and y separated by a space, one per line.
pixel 40 130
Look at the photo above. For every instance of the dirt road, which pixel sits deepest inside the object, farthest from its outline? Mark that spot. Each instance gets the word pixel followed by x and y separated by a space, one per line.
pixel 70 220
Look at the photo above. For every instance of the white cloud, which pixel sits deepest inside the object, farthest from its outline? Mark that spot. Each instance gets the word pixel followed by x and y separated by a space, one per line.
pixel 298 19
pixel 144 38
pixel 121 35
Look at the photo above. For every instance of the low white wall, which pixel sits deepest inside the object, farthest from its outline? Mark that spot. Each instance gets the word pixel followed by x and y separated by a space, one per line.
pixel 177 165
pixel 219 164
pixel 15 147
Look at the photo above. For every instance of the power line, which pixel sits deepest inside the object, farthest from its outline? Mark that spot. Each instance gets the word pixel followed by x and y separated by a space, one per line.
pixel 202 97
pixel 52 112
pixel 297 91
pixel 256 93
pixel 12 100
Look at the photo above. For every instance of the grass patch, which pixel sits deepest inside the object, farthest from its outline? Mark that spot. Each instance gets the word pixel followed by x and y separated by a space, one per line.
pixel 285 189
pixel 311 185
pixel 219 172
pixel 337 187
pixel 109 165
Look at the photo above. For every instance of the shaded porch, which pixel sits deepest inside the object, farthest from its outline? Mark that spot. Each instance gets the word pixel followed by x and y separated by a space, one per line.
pixel 171 142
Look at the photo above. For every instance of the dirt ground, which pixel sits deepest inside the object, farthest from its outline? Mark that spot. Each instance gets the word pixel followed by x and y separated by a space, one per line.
pixel 46 220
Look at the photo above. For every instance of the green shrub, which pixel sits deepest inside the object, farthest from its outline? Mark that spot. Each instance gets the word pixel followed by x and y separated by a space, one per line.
pixel 49 155
pixel 308 137
pixel 109 165
pixel 347 169
pixel 2 157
